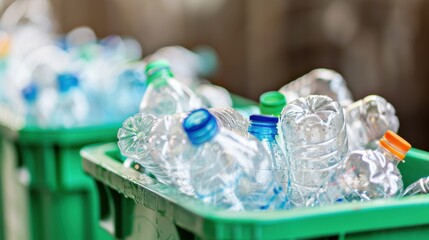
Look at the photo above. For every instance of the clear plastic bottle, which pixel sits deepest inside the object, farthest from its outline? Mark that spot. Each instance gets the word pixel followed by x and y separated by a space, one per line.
pixel 230 119
pixel 264 128
pixel 367 121
pixel 420 186
pixel 165 95
pixel 315 139
pixel 319 82
pixel 72 107
pixel 227 169
pixel 366 174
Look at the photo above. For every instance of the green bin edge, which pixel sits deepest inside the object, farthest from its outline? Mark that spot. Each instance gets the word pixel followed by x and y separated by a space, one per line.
pixel 207 222
pixel 30 138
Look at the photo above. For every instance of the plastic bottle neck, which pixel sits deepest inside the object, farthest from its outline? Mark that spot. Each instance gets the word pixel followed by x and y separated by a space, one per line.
pixel 263 127
pixel 389 155
pixel 159 77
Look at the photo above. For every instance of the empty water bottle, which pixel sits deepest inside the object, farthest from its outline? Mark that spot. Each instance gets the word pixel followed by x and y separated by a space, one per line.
pixel 319 82
pixel 367 121
pixel 165 95
pixel 264 128
pixel 315 139
pixel 420 186
pixel 227 169
pixel 366 174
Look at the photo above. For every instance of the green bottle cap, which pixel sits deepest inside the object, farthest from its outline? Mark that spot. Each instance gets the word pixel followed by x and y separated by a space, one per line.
pixel 158 70
pixel 272 103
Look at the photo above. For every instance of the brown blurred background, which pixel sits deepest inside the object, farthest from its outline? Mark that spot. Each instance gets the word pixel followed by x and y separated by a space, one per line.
pixel 379 46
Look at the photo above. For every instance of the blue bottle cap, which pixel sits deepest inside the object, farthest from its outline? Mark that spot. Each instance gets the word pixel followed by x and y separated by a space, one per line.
pixel 66 81
pixel 30 92
pixel 264 119
pixel 262 125
pixel 200 126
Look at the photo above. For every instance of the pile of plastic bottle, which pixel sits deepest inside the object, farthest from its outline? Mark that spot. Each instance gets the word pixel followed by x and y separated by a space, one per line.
pixel 310 145
pixel 78 80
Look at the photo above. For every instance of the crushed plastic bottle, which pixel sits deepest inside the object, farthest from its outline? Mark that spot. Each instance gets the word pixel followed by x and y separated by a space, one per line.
pixel 319 82
pixel 366 174
pixel 264 128
pixel 227 169
pixel 367 121
pixel 315 139
pixel 420 186
pixel 165 95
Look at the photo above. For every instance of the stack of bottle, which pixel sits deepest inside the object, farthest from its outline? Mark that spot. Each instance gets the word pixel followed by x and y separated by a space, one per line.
pixel 318 148
pixel 77 79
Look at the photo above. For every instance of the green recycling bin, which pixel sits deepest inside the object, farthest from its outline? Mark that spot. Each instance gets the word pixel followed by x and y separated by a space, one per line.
pixel 136 206
pixel 45 194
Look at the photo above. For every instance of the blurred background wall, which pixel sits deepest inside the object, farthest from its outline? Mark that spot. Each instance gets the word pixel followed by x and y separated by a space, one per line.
pixel 379 46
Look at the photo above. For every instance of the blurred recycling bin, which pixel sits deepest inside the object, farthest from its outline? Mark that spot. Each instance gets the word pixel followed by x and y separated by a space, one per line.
pixel 137 206
pixel 45 193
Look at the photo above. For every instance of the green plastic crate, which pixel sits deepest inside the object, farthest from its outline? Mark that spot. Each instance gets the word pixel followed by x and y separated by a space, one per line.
pixel 136 206
pixel 44 192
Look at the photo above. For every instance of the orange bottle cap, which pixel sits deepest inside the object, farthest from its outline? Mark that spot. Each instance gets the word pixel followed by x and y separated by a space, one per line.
pixel 395 144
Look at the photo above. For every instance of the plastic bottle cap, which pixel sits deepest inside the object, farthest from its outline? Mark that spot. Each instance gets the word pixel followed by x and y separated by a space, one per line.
pixel 200 126
pixel 158 69
pixel 264 119
pixel 395 144
pixel 30 92
pixel 272 103
pixel 66 81
pixel 261 126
